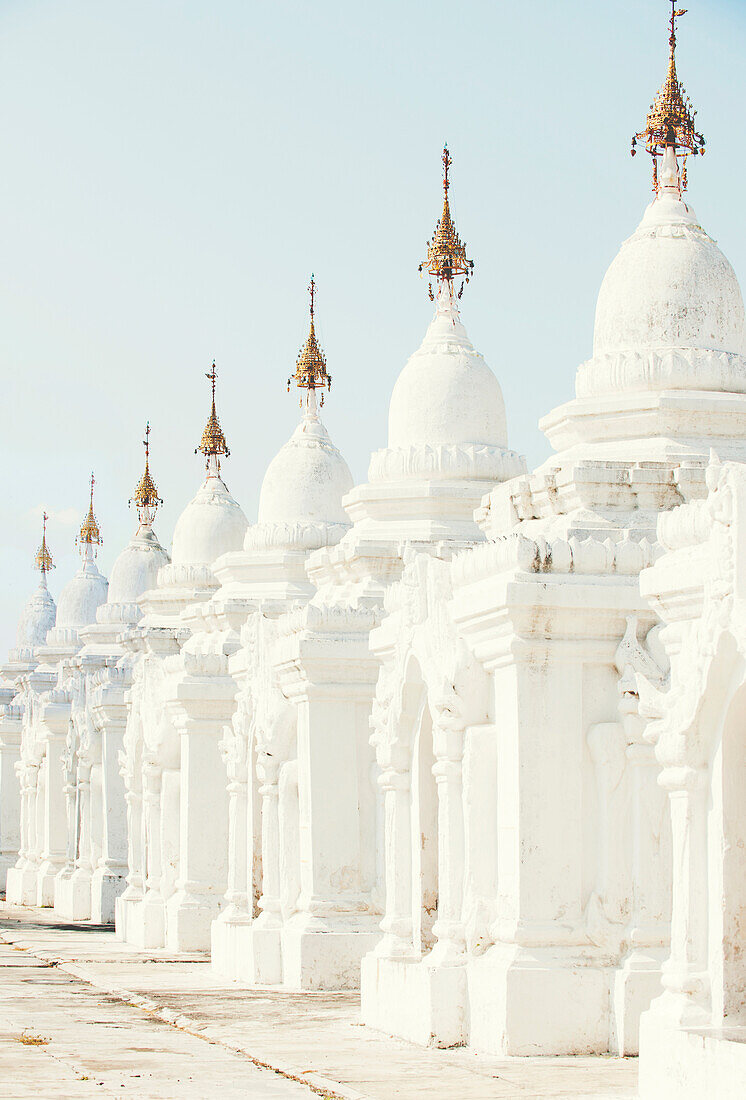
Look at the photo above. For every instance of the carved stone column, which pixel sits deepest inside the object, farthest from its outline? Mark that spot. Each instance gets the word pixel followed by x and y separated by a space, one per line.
pixel 10 796
pixel 148 923
pixel 229 935
pixel 449 928
pixel 685 973
pixel 54 840
pixel 395 781
pixel 109 876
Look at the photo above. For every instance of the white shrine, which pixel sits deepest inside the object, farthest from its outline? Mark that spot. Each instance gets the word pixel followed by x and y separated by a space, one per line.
pixel 467 737
pixel 53 701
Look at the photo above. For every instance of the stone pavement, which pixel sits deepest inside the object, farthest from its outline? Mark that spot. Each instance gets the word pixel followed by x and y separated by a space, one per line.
pixel 82 1014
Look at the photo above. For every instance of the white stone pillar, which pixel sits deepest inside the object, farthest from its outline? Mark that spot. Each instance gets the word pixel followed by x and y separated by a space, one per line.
pixel 149 921
pixel 109 877
pixel 10 797
pixel 449 927
pixel 203 836
pixel 638 980
pixel 685 973
pixel 54 840
pixel 230 949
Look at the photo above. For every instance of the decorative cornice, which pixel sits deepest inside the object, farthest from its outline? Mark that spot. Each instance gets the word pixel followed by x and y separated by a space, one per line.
pixel 584 557
pixel 296 536
pixel 669 369
pixel 451 462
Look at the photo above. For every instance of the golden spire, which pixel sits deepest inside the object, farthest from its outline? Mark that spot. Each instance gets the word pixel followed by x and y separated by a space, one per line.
pixel 90 534
pixel 43 559
pixel 146 494
pixel 446 254
pixel 670 121
pixel 310 370
pixel 213 441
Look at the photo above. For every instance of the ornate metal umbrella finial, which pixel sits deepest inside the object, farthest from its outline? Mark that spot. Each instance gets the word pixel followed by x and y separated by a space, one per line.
pixel 310 369
pixel 446 253
pixel 90 533
pixel 670 121
pixel 43 559
pixel 146 497
pixel 213 443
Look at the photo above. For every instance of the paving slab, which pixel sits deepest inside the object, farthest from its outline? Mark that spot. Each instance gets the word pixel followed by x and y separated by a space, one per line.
pixel 315 1038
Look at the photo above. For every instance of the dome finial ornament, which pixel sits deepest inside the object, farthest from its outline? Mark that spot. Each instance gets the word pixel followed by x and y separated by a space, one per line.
pixel 446 253
pixel 43 559
pixel 90 533
pixel 146 496
pixel 213 443
pixel 669 128
pixel 310 370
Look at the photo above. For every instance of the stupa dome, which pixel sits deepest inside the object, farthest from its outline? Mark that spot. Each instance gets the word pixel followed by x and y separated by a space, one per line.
pixel 136 569
pixel 211 524
pixel 37 618
pixel 81 597
pixel 670 286
pixel 306 480
pixel 446 393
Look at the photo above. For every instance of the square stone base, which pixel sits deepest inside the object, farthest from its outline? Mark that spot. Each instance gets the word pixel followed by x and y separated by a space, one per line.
pixel 635 985
pixel 691 1063
pixel 246 952
pixel 415 1000
pixel 324 959
pixel 526 1002
pixel 143 921
pixel 123 912
pixel 189 919
pixel 21 885
pixel 45 883
pixel 106 887
pixel 8 861
pixel 72 896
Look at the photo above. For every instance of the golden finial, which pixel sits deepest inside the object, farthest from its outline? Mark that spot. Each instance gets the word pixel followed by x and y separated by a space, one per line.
pixel 146 494
pixel 43 559
pixel 213 440
pixel 310 370
pixel 670 121
pixel 446 254
pixel 90 534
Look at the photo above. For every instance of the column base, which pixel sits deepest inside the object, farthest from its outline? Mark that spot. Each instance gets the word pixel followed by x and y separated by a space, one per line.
pixel 679 1063
pixel 46 882
pixel 72 895
pixel 326 953
pixel 8 861
pixel 189 920
pixel 106 887
pixel 416 999
pixel 123 909
pixel 146 921
pixel 21 885
pixel 636 984
pixel 537 1001
pixel 242 952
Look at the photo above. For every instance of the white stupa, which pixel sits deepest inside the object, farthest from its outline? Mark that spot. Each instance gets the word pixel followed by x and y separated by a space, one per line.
pixel 38 616
pixel 300 503
pixel 301 496
pixel 82 596
pixel 212 524
pixel 136 568
pixel 447 438
pixel 667 379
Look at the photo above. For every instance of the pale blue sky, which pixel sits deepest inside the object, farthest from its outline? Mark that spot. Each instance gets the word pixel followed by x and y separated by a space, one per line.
pixel 173 170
